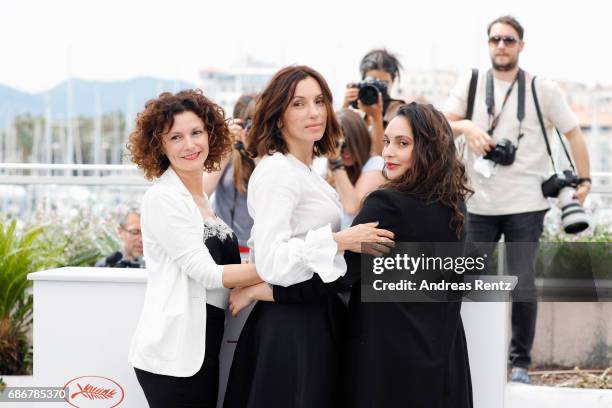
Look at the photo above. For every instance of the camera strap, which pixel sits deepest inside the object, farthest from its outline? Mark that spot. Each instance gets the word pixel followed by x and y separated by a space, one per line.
pixel 490 102
pixel 472 94
pixel 541 120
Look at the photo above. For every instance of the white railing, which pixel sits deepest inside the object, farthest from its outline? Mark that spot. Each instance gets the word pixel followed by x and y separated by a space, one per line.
pixel 55 166
pixel 24 185
pixel 64 174
pixel 128 174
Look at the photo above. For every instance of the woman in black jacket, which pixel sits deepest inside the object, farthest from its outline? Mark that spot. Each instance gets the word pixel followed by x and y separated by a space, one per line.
pixel 402 354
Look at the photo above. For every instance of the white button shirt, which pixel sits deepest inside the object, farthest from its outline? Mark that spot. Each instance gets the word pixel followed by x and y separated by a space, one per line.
pixel 182 278
pixel 295 212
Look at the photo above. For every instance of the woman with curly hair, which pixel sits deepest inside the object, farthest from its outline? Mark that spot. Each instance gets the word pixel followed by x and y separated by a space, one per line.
pixel 402 354
pixel 191 255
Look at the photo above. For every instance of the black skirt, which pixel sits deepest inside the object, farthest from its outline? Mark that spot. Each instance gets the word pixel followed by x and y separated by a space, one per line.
pixel 199 390
pixel 407 355
pixel 287 356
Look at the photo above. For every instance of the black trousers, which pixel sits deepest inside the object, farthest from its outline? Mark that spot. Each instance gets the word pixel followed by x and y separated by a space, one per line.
pixel 523 227
pixel 199 390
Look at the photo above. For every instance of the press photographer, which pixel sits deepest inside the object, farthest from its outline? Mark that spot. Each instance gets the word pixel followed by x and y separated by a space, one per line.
pixel 379 69
pixel 506 116
pixel 130 235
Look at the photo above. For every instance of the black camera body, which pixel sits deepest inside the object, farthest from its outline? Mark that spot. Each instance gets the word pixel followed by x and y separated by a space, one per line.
pixel 369 89
pixel 503 153
pixel 125 263
pixel 556 182
pixel 116 260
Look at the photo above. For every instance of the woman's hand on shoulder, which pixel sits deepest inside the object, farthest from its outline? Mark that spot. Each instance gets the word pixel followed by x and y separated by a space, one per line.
pixel 365 238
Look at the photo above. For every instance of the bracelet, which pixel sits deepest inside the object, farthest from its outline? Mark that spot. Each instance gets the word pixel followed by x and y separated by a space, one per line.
pixel 582 180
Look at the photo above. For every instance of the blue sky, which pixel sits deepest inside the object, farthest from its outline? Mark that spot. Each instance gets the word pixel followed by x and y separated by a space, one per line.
pixel 45 41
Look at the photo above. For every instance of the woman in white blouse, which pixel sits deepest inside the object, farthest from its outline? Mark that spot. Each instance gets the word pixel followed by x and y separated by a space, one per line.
pixel 287 354
pixel 175 348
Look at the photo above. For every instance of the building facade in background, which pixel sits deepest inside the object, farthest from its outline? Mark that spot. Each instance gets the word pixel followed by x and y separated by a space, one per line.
pixel 225 86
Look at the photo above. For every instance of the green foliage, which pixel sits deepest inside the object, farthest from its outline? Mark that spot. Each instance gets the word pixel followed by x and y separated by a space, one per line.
pixel 18 257
pixel 587 255
pixel 48 241
pixel 79 239
pixel 600 231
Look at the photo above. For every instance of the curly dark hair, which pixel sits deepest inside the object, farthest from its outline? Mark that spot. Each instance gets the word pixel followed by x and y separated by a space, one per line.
pixel 146 144
pixel 436 173
pixel 264 136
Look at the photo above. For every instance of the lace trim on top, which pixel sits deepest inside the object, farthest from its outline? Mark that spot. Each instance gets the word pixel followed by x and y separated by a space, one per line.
pixel 216 227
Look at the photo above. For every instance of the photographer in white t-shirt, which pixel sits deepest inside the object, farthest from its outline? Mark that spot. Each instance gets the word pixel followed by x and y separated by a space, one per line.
pixel 507 196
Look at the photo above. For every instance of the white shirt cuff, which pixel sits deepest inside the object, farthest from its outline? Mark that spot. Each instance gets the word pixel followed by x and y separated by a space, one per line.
pixel 319 252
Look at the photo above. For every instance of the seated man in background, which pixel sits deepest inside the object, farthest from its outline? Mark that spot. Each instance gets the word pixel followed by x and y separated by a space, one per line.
pixel 130 235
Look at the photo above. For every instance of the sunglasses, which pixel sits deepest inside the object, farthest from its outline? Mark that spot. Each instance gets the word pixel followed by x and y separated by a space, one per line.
pixel 508 40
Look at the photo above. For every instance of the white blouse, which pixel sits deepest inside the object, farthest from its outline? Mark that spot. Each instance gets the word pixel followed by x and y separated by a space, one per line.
pixel 295 212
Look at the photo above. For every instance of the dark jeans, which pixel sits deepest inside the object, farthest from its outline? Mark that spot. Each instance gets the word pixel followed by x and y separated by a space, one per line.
pixel 523 227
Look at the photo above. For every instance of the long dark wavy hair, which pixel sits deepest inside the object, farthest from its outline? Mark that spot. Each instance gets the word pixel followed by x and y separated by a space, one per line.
pixel 436 173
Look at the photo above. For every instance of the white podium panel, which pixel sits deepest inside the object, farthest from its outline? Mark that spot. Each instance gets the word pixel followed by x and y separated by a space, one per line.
pixel 486 328
pixel 84 319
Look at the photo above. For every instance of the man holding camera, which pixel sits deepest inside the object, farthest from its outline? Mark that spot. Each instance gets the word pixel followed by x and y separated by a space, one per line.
pixel 379 69
pixel 130 235
pixel 508 160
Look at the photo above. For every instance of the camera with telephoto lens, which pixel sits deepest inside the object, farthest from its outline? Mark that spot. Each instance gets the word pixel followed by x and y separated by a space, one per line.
pixel 503 153
pixel 369 89
pixel 564 185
